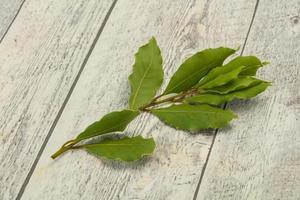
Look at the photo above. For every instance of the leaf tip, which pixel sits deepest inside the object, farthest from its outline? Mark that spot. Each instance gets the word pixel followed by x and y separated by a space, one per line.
pixel 152 39
pixel 235 116
pixel 265 63
pixel 269 83
pixel 238 48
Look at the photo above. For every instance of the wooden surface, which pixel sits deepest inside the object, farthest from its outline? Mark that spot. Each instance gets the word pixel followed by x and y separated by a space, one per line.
pixel 258 157
pixel 173 172
pixel 8 12
pixel 40 57
pixel 50 42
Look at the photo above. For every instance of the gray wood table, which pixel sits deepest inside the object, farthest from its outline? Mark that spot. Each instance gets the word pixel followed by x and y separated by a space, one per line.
pixel 64 64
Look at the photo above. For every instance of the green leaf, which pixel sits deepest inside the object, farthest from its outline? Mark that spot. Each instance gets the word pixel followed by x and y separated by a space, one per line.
pixel 112 122
pixel 236 84
pixel 251 63
pixel 195 67
pixel 217 99
pixel 194 117
pixel 147 75
pixel 125 149
pixel 220 76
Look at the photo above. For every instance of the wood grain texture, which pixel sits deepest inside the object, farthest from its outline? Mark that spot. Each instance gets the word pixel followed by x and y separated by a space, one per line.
pixel 259 156
pixel 39 60
pixel 181 28
pixel 8 11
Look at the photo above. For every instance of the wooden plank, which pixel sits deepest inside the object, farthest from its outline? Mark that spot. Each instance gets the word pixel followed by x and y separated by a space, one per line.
pixel 39 60
pixel 8 11
pixel 181 28
pixel 259 156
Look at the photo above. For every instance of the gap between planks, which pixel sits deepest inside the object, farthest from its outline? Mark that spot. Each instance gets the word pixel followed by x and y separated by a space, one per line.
pixel 19 196
pixel 260 158
pixel 224 107
pixel 13 19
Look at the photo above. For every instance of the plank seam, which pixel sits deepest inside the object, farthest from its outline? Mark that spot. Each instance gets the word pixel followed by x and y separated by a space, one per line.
pixel 224 107
pixel 27 179
pixel 7 29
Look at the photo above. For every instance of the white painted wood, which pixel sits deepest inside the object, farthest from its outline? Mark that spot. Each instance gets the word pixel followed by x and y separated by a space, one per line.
pixel 39 59
pixel 181 28
pixel 8 11
pixel 259 156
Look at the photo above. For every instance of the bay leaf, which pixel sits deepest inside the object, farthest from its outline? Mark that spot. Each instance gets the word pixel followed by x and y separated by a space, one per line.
pixel 147 75
pixel 236 84
pixel 112 122
pixel 219 76
pixel 125 149
pixel 218 99
pixel 194 117
pixel 196 67
pixel 252 64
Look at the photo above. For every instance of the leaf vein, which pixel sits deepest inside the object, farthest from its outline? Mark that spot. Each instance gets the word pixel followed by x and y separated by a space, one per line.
pixel 142 80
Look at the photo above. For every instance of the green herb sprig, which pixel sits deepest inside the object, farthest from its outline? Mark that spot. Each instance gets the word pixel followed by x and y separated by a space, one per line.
pixel 190 101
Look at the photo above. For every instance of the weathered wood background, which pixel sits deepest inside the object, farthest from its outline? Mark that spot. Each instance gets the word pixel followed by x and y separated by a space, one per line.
pixel 64 64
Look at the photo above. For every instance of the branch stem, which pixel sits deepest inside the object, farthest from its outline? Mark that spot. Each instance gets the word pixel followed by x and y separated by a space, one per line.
pixel 176 98
pixel 65 147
